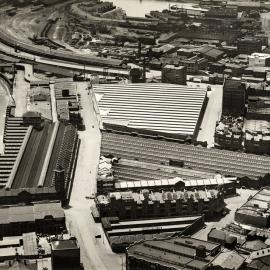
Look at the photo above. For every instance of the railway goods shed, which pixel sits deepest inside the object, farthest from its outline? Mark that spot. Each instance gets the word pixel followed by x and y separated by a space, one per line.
pixel 210 160
pixel 166 110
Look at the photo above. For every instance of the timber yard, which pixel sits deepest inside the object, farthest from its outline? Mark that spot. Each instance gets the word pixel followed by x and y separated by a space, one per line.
pixel 135 134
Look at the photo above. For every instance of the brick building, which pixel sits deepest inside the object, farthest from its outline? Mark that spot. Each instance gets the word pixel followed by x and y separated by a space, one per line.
pixel 234 94
pixel 175 253
pixel 256 211
pixel 131 205
pixel 194 64
pixel 174 74
pixel 249 45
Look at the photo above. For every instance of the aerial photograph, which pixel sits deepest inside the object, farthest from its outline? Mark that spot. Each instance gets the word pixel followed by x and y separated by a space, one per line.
pixel 134 135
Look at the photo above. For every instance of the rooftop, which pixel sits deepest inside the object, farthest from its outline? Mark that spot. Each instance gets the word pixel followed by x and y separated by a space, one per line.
pixel 166 108
pixel 229 260
pixel 177 253
pixel 205 195
pixel 64 244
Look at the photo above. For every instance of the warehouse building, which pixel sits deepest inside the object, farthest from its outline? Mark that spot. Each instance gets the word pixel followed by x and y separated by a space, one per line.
pixel 45 217
pixel 121 234
pixel 225 184
pixel 257 136
pixel 120 175
pixel 159 153
pixel 234 97
pixel 65 254
pixel 131 205
pixel 176 253
pixel 39 159
pixel 174 74
pixel 46 159
pixel 30 251
pixel 249 45
pixel 255 213
pixel 152 109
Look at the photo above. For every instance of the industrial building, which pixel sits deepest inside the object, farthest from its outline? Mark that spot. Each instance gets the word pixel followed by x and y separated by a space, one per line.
pixel 39 159
pixel 259 59
pixel 121 234
pixel 67 103
pixel 194 64
pixel 118 176
pixel 258 108
pixel 45 217
pixel 255 213
pixel 174 74
pixel 229 133
pixel 65 254
pixel 234 98
pixel 152 109
pixel 14 134
pixel 131 205
pixel 176 253
pixel 150 152
pixel 222 237
pixel 35 251
pixel 225 184
pixel 257 136
pixel 249 45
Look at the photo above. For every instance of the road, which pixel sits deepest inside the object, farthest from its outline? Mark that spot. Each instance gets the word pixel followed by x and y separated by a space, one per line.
pixel 96 253
pixel 20 93
pixel 211 115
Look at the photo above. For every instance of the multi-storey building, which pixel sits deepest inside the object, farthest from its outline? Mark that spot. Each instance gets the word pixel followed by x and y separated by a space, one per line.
pixel 234 94
pixel 131 205
pixel 249 45
pixel 174 74
pixel 194 64
pixel 256 211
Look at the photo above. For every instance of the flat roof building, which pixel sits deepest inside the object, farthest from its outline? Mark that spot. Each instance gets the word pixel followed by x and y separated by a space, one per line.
pixel 256 211
pixel 41 217
pixel 234 94
pixel 177 253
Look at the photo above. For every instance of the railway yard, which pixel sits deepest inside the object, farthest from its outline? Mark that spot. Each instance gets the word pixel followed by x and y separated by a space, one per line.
pixel 134 128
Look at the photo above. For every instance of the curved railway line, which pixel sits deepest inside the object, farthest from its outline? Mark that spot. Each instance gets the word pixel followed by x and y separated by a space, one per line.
pixel 56 55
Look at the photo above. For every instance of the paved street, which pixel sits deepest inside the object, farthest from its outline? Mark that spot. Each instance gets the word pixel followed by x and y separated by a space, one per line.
pixel 212 114
pixel 20 93
pixel 95 253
